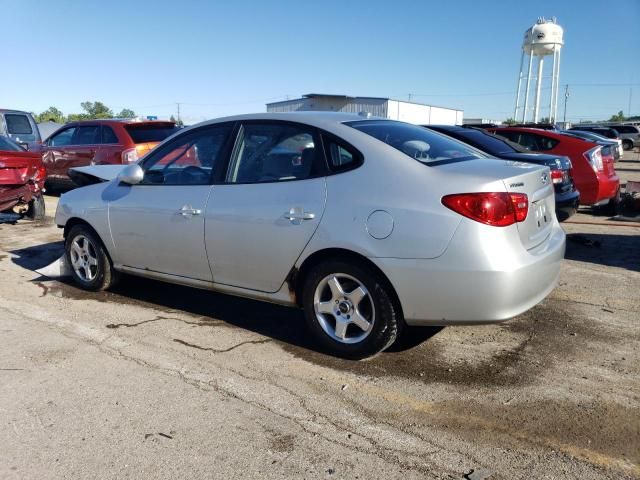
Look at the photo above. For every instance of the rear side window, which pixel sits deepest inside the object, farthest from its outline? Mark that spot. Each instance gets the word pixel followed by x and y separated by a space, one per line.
pixel 149 133
pixel 108 135
pixel 531 141
pixel 424 145
pixel 89 135
pixel 18 124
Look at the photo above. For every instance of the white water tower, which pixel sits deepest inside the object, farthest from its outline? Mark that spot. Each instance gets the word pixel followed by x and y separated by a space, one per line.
pixel 543 39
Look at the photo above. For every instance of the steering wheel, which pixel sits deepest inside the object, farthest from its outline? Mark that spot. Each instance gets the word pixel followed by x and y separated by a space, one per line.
pixel 195 173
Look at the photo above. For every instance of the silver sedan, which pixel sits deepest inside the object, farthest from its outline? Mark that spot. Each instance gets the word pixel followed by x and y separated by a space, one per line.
pixel 367 224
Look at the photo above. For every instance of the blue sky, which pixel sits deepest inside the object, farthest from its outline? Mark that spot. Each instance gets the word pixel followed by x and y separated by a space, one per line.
pixel 220 58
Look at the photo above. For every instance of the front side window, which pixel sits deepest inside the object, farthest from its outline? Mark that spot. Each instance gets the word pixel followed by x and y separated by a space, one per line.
pixel 88 135
pixel 63 138
pixel 187 160
pixel 18 124
pixel 273 153
pixel 424 145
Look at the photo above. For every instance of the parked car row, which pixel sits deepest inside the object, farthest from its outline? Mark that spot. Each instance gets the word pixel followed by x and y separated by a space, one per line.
pixel 369 225
pixel 629 135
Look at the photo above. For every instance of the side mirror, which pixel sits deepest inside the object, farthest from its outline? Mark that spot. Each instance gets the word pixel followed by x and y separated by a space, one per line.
pixel 131 174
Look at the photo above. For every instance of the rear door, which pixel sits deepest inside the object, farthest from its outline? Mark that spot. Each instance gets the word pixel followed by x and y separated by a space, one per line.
pixel 262 216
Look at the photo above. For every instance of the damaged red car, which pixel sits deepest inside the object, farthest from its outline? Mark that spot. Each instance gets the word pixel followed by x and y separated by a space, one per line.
pixel 22 176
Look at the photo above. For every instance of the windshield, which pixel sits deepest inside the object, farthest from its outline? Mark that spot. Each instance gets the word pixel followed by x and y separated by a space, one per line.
pixel 9 145
pixel 424 145
pixel 150 133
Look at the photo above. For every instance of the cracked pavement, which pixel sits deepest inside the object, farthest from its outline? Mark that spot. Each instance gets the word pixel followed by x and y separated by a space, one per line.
pixel 158 381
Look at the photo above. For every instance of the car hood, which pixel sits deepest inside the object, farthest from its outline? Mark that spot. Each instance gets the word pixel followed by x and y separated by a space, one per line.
pixel 83 176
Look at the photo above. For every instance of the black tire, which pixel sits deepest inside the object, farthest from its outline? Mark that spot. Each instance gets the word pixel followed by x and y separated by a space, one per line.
pixel 627 144
pixel 387 321
pixel 36 209
pixel 613 207
pixel 103 275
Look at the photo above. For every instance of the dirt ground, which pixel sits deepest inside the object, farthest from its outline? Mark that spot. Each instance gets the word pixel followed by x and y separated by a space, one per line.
pixel 158 381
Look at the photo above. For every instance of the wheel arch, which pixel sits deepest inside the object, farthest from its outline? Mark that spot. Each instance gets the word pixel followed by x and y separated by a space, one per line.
pixel 297 276
pixel 73 221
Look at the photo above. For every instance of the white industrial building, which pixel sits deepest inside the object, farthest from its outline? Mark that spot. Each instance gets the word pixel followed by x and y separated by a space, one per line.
pixel 417 113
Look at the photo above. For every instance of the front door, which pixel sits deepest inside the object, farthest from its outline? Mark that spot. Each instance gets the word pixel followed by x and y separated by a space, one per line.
pixel 260 219
pixel 158 225
pixel 55 154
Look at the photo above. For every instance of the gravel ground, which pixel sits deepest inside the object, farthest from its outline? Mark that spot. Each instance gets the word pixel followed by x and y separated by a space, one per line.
pixel 158 381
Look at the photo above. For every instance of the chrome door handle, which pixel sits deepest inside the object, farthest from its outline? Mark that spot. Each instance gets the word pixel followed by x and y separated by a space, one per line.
pixel 189 211
pixel 298 214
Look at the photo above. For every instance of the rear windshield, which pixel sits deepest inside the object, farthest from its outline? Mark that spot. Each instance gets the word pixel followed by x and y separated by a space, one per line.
pixel 490 143
pixel 149 133
pixel 424 145
pixel 18 124
pixel 9 145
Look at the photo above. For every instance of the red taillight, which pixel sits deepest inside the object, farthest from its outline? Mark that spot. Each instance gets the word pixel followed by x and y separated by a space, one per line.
pixel 498 209
pixel 557 176
pixel 40 174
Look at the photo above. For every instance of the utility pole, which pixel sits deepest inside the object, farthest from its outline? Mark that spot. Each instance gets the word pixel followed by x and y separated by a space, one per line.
pixel 629 104
pixel 566 97
pixel 409 97
pixel 178 105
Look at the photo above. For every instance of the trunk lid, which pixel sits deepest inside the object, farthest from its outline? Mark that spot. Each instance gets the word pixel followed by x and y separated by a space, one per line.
pixel 17 168
pixel 514 177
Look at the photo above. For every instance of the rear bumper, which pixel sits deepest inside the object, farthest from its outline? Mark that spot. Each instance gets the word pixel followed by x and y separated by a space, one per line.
pixel 488 283
pixel 567 205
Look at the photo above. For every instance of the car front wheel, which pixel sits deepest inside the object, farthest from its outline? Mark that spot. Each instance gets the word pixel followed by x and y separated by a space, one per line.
pixel 350 309
pixel 91 267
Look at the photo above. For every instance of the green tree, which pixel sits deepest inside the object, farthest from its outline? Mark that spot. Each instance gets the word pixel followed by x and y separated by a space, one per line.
pixel 510 121
pixel 172 119
pixel 50 114
pixel 92 110
pixel 126 113
pixel 618 117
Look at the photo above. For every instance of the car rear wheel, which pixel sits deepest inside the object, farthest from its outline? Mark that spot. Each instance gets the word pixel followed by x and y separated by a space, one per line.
pixel 36 208
pixel 613 207
pixel 627 144
pixel 350 310
pixel 85 253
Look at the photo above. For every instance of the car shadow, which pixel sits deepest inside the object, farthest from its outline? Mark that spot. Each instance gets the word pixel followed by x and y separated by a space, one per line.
pixel 284 324
pixel 604 249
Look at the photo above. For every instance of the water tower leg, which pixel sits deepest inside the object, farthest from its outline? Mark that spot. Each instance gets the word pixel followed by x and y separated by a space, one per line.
pixel 557 80
pixel 515 111
pixel 552 97
pixel 536 105
pixel 526 91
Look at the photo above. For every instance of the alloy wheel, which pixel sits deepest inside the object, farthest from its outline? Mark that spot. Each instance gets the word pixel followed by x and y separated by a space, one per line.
pixel 344 308
pixel 84 258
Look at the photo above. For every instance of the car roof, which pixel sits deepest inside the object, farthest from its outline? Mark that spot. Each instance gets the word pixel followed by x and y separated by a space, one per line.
pixel 119 121
pixel 311 117
pixel 9 110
